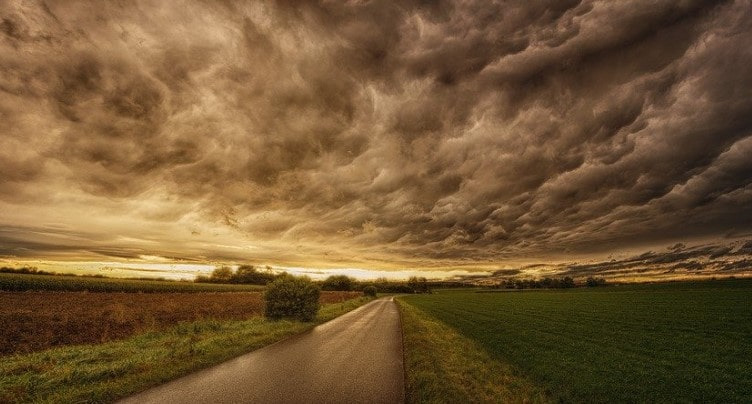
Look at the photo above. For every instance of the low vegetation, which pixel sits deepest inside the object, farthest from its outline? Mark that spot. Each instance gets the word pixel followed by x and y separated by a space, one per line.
pixel 105 372
pixel 23 282
pixel 33 321
pixel 674 342
pixel 292 297
pixel 26 270
pixel 592 282
pixel 443 366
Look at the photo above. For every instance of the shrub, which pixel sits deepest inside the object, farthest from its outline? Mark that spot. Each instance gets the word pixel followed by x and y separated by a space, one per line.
pixel 369 291
pixel 293 297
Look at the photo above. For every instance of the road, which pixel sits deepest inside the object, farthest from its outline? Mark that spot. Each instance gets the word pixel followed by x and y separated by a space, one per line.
pixel 355 358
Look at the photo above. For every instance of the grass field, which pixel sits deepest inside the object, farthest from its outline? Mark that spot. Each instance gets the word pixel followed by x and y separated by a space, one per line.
pixel 443 366
pixel 32 321
pixel 24 282
pixel 678 342
pixel 104 372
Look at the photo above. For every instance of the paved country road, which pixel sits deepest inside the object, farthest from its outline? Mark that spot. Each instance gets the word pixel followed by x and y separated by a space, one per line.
pixel 355 358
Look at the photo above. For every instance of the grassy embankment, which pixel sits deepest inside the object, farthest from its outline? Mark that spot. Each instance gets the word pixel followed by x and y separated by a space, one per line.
pixel 676 342
pixel 442 366
pixel 105 372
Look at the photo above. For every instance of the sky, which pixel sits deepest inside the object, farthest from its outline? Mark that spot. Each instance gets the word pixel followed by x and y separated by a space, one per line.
pixel 452 138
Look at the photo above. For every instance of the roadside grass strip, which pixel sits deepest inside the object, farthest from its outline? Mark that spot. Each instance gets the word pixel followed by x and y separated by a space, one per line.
pixel 443 366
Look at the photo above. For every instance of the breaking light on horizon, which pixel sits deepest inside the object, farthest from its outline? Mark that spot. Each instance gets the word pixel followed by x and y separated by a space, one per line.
pixel 456 139
pixel 177 271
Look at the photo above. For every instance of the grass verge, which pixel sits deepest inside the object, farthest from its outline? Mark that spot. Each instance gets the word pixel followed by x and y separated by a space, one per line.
pixel 105 372
pixel 442 366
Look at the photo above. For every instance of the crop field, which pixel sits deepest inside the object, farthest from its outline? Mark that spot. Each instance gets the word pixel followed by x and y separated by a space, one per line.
pixel 101 373
pixel 23 282
pixel 33 321
pixel 679 342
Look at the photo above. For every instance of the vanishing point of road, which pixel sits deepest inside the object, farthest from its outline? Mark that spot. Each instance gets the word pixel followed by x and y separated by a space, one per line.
pixel 355 358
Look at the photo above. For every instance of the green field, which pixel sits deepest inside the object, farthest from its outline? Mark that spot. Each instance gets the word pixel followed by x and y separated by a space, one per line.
pixel 676 342
pixel 24 282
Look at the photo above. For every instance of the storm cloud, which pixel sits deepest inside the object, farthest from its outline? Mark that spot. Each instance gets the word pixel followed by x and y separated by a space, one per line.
pixel 375 134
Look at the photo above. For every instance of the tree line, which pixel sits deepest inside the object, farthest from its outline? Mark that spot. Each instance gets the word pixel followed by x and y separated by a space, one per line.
pixel 249 274
pixel 548 283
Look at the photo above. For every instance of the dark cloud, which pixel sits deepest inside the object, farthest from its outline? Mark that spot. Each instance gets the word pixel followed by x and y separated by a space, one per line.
pixel 506 272
pixel 677 261
pixel 429 134
pixel 708 258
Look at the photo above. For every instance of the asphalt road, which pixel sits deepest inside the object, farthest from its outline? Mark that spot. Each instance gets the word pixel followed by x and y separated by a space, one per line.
pixel 356 358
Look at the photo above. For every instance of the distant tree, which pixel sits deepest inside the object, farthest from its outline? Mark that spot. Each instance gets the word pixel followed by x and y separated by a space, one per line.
pixel 202 279
pixel 369 291
pixel 567 282
pixel 250 275
pixel 384 285
pixel 593 282
pixel 339 282
pixel 413 284
pixel 221 275
pixel 30 271
pixel 418 284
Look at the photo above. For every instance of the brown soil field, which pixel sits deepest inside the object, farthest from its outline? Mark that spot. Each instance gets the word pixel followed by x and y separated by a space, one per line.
pixel 34 321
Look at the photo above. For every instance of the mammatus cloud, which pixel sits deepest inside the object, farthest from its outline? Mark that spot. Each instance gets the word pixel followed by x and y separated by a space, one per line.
pixel 675 262
pixel 375 135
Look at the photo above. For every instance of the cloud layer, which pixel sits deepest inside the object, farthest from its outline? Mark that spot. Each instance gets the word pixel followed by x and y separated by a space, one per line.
pixel 373 134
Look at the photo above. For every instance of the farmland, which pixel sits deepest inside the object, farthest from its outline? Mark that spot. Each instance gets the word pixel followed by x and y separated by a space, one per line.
pixel 106 371
pixel 24 282
pixel 32 321
pixel 676 342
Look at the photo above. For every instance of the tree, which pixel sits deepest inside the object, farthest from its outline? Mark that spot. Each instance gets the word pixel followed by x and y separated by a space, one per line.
pixel 386 286
pixel 369 291
pixel 418 284
pixel 339 282
pixel 221 275
pixel 413 284
pixel 593 282
pixel 250 275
